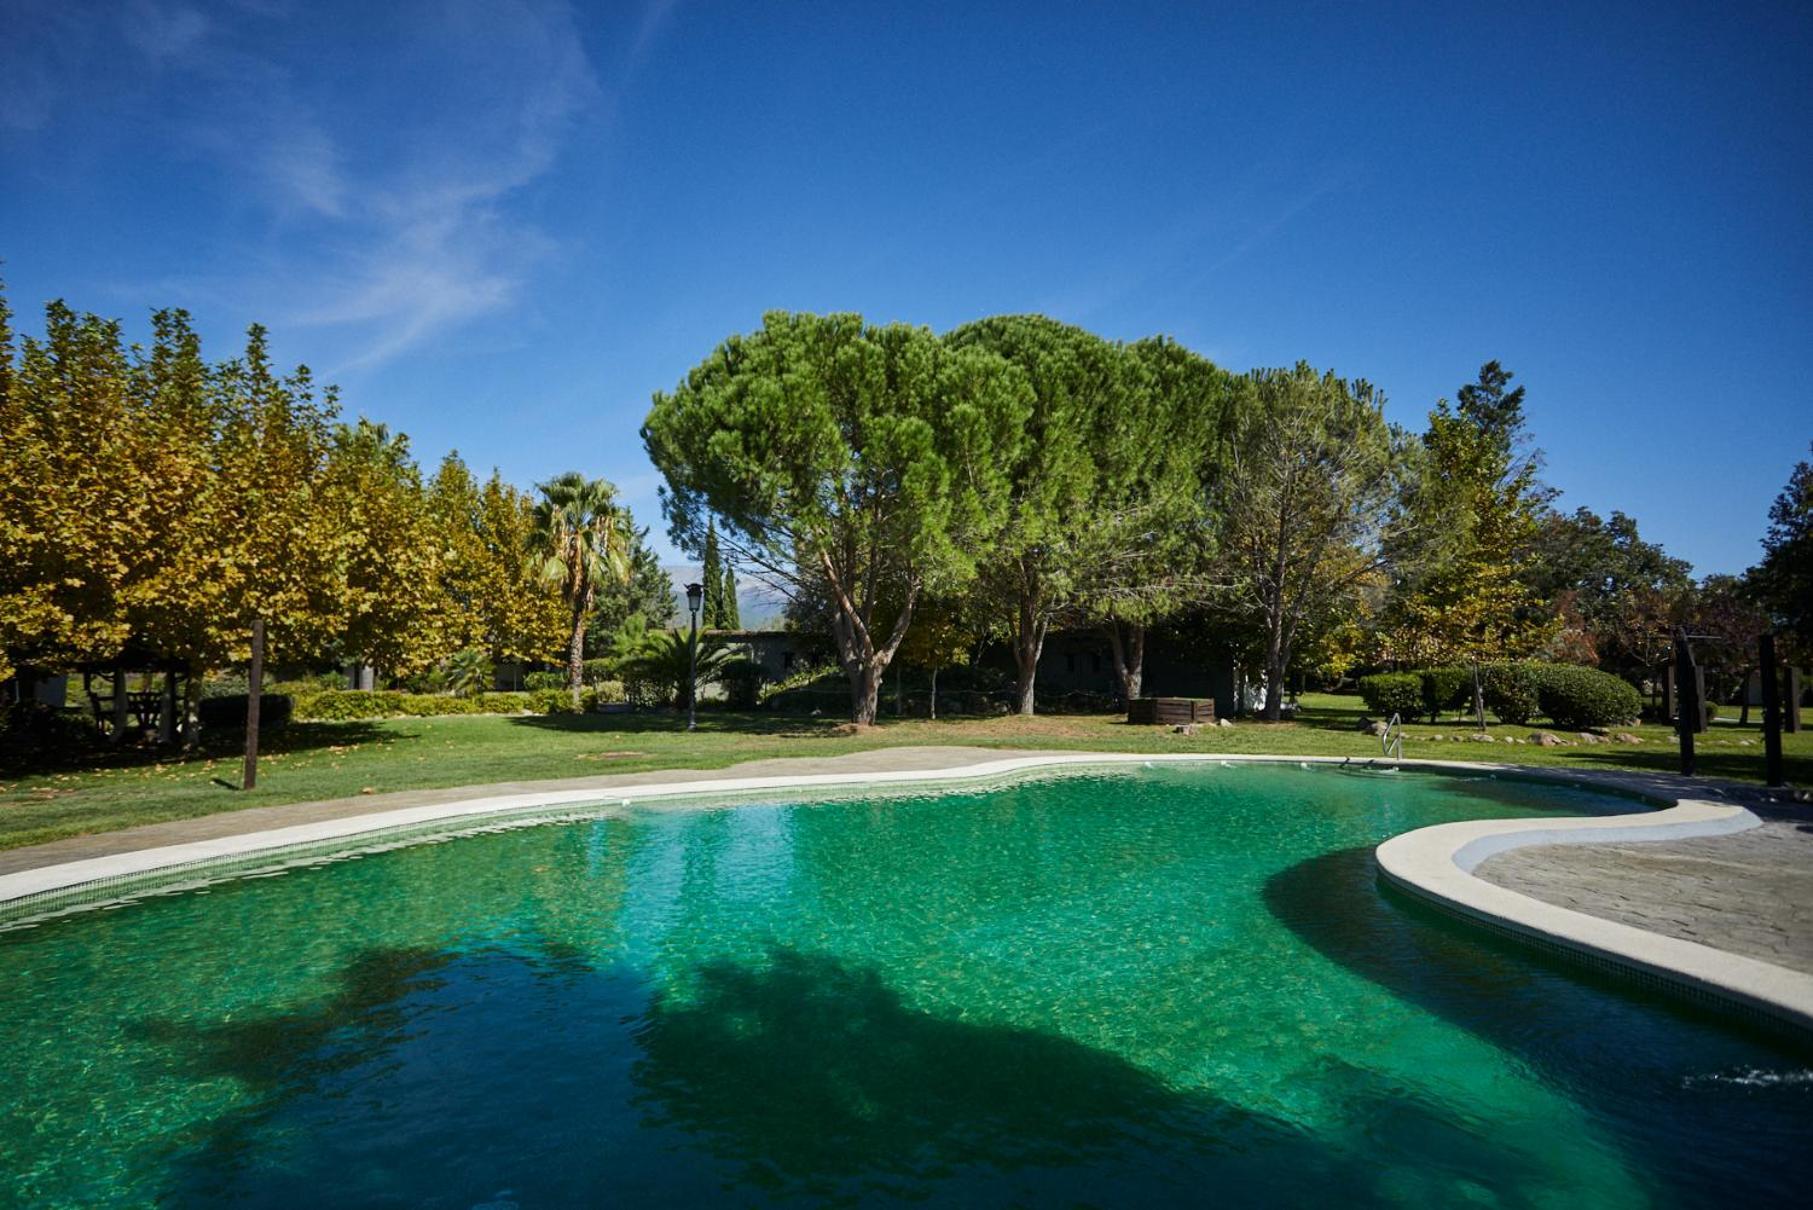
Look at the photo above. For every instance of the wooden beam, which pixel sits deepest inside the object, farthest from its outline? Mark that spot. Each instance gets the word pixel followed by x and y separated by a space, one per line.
pixel 254 694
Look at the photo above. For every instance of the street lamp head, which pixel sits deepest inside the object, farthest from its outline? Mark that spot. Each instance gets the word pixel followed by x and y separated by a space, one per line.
pixel 695 593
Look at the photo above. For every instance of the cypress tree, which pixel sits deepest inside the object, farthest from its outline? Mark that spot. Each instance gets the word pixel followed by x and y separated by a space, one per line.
pixel 712 575
pixel 733 615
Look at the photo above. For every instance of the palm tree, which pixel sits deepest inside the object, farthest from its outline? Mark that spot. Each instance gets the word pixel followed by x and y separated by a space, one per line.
pixel 583 539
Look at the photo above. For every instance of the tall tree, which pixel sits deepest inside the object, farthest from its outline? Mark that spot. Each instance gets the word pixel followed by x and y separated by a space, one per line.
pixel 866 460
pixel 396 616
pixel 1308 506
pixel 1158 538
pixel 1783 581
pixel 1613 590
pixel 1084 440
pixel 731 617
pixel 584 542
pixel 1461 594
pixel 647 597
pixel 711 576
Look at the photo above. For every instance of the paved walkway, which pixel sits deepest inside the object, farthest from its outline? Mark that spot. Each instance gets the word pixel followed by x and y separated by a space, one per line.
pixel 1750 893
pixel 260 819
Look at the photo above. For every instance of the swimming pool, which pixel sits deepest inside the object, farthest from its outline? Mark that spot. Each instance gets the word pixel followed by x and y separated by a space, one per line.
pixel 1176 983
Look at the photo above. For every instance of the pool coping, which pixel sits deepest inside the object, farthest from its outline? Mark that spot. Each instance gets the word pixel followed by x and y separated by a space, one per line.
pixel 1434 864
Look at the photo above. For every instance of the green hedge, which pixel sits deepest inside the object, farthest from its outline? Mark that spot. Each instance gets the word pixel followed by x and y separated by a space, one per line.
pixel 536 681
pixel 1511 692
pixel 1442 688
pixel 339 705
pixel 1388 693
pixel 1578 698
pixel 222 713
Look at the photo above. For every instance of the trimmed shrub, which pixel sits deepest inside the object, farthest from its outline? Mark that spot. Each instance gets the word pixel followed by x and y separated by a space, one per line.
pixel 742 681
pixel 225 713
pixel 597 672
pixel 1442 688
pixel 1579 698
pixel 1388 693
pixel 1510 691
pixel 536 681
pixel 560 701
pixel 342 705
pixel 33 735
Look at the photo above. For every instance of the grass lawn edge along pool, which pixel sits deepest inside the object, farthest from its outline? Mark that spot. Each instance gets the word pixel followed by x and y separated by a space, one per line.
pixel 310 762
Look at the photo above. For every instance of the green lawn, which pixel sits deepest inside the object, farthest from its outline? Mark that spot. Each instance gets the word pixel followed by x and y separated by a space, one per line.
pixel 334 760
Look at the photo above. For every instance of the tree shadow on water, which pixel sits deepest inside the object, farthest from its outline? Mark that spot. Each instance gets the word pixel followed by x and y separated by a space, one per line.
pixel 792 1077
pixel 813 1077
pixel 1653 1069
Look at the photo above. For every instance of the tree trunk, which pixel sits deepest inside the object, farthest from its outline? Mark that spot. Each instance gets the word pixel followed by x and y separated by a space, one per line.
pixel 1129 658
pixel 934 702
pixel 865 691
pixel 191 703
pixel 1026 656
pixel 576 656
pixel 1276 658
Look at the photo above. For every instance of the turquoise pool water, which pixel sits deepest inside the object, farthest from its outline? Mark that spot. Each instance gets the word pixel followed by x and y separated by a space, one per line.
pixel 1158 985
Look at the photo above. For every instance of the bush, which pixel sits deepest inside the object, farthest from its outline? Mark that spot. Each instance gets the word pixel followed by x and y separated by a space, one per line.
pixel 598 672
pixel 226 713
pixel 1511 692
pixel 1578 698
pixel 1388 693
pixel 560 701
pixel 742 681
pixel 34 735
pixel 536 681
pixel 1441 688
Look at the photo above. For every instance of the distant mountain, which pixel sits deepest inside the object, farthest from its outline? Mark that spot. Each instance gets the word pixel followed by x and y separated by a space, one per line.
pixel 758 606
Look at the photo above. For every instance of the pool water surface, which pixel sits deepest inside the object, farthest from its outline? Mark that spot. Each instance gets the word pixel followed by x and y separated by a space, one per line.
pixel 1111 988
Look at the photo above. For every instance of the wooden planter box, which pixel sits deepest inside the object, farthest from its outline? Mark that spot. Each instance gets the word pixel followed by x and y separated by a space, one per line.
pixel 1154 711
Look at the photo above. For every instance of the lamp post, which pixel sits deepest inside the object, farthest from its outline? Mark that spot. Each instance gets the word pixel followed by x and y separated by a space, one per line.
pixel 695 593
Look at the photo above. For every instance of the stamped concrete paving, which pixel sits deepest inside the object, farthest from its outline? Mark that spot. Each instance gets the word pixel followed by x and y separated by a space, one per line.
pixel 1750 893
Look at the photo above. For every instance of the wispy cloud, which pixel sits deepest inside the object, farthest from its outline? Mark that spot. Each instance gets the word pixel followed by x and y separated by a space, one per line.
pixel 388 206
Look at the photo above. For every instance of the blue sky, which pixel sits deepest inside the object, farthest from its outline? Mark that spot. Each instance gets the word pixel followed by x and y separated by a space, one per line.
pixel 500 226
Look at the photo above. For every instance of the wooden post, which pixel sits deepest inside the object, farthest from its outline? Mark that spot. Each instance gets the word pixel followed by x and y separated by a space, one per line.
pixel 1791 707
pixel 1772 711
pixel 254 692
pixel 119 706
pixel 1691 716
pixel 166 715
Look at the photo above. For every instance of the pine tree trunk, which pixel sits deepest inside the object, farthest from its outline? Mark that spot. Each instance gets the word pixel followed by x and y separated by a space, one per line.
pixel 1276 657
pixel 865 692
pixel 1129 659
pixel 934 702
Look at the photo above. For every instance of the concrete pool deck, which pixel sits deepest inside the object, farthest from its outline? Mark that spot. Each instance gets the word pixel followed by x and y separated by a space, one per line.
pixel 1704 894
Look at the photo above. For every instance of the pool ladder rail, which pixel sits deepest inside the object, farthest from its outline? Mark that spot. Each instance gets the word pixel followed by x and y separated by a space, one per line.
pixel 1391 743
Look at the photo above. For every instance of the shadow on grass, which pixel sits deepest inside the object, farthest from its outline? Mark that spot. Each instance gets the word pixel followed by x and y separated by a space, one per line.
pixel 711 722
pixel 213 745
pixel 429 1078
pixel 1745 765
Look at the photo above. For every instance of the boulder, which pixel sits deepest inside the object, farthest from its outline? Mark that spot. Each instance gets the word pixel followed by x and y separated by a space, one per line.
pixel 1547 739
pixel 1224 722
pixel 1625 737
pixel 1184 729
pixel 1587 737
